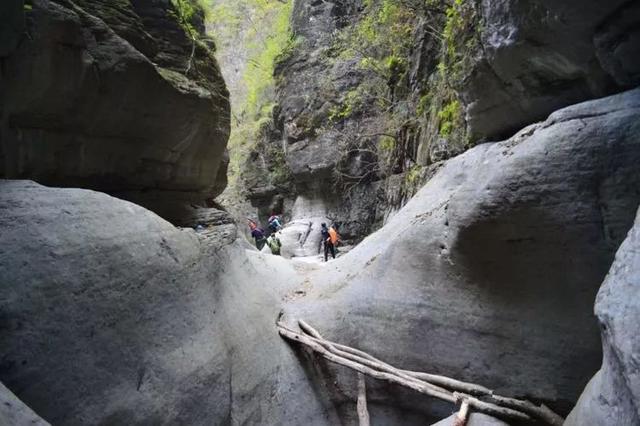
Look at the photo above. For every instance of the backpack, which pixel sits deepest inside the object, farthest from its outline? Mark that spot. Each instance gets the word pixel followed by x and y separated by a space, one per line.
pixel 333 234
pixel 274 244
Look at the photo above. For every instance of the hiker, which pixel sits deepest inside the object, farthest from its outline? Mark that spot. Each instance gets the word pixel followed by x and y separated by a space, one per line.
pixel 326 241
pixel 274 222
pixel 274 244
pixel 258 234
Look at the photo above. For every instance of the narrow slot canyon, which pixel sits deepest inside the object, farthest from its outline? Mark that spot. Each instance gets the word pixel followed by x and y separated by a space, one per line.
pixel 455 188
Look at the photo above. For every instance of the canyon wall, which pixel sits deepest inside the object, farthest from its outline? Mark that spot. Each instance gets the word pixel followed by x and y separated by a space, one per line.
pixel 372 96
pixel 122 97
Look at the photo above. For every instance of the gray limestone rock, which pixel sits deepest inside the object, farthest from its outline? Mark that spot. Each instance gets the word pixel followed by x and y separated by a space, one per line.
pixel 14 412
pixel 11 26
pixel 97 94
pixel 110 315
pixel 542 55
pixel 108 312
pixel 612 397
pixel 617 41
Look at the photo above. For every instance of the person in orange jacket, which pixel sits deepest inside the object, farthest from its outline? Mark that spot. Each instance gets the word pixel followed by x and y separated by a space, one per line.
pixel 330 238
pixel 333 234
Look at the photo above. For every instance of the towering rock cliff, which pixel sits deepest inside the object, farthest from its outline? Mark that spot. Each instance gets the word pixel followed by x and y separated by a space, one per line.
pixel 372 95
pixel 124 97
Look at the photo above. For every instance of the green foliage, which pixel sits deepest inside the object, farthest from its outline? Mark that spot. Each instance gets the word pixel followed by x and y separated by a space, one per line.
pixel 449 116
pixel 460 38
pixel 257 30
pixel 380 43
pixel 291 45
pixel 381 40
pixel 280 174
pixel 452 26
pixel 184 11
pixel 423 104
pixel 352 103
pixel 387 144
pixel 439 102
pixel 259 75
pixel 412 178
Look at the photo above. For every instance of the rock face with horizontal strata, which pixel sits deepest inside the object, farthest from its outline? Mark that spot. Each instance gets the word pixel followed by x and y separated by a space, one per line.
pixel 114 96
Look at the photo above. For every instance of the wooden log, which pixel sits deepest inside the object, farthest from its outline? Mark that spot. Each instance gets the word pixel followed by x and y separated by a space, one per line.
pixel 416 385
pixel 449 383
pixel 455 385
pixel 317 347
pixel 363 412
pixel 369 361
pixel 542 412
pixel 492 409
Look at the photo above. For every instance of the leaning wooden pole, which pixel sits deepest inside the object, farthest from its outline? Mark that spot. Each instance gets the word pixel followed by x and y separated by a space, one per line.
pixel 363 412
pixel 462 415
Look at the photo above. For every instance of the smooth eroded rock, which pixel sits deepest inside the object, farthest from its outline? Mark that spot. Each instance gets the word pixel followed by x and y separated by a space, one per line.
pixel 475 419
pixel 612 397
pixel 108 312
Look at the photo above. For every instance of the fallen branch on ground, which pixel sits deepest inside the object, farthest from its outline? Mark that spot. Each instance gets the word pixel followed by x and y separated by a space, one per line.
pixel 437 386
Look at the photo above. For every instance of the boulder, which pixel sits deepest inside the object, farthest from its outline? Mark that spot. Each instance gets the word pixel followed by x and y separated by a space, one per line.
pixel 313 160
pixel 108 312
pixel 617 42
pixel 108 96
pixel 612 397
pixel 541 55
